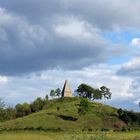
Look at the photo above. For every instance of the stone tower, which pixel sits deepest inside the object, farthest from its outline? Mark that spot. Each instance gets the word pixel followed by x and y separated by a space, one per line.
pixel 66 92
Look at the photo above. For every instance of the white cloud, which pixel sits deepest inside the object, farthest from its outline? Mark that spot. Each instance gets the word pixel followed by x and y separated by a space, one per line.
pixel 131 68
pixel 74 28
pixel 137 101
pixel 135 42
pixel 26 89
pixel 3 80
pixel 65 34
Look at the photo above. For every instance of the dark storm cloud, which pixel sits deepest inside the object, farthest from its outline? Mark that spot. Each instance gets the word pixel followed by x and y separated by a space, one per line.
pixel 41 34
pixel 104 14
pixel 26 47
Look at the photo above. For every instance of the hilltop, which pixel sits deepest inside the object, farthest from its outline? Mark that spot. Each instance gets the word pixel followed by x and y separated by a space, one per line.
pixel 62 114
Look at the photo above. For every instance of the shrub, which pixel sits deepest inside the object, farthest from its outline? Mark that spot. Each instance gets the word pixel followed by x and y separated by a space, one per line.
pixel 84 106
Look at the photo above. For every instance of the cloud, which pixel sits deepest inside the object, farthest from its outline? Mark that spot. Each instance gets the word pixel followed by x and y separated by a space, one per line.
pixel 3 80
pixel 28 88
pixel 118 15
pixel 75 29
pixel 130 68
pixel 31 47
pixel 60 34
pixel 65 38
pixel 137 102
pixel 135 42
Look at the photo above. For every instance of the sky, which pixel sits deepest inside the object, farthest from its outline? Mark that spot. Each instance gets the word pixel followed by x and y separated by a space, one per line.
pixel 44 42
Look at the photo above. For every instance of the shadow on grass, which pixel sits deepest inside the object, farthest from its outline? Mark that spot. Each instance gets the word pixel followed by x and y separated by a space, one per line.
pixel 67 118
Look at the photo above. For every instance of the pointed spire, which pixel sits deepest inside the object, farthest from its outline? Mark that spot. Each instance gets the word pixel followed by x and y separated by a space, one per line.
pixel 66 92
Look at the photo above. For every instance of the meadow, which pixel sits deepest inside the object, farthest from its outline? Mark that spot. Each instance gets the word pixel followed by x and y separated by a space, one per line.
pixel 100 123
pixel 70 136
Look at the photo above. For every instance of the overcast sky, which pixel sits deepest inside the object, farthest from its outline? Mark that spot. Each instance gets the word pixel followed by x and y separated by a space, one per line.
pixel 44 42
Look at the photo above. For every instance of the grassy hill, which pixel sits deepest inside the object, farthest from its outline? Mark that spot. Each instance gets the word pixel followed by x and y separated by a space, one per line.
pixel 62 114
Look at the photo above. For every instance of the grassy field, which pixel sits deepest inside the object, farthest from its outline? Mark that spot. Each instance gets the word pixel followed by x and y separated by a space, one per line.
pixel 67 118
pixel 67 124
pixel 70 136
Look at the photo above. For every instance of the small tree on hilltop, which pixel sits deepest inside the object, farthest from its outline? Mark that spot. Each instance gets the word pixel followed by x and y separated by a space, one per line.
pixel 89 92
pixel 84 106
pixel 58 92
pixel 52 93
pixel 55 92
pixel 105 92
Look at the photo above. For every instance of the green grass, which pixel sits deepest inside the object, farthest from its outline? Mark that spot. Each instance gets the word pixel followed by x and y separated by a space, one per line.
pixel 100 116
pixel 69 136
pixel 56 127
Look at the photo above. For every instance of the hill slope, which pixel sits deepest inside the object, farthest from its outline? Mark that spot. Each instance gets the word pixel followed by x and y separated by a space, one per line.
pixel 62 114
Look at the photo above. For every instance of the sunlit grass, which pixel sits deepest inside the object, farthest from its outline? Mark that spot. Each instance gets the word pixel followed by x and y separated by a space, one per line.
pixel 70 136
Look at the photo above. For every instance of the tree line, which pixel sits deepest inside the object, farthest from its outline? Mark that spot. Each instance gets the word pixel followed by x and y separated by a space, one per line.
pixel 129 117
pixel 20 110
pixel 85 91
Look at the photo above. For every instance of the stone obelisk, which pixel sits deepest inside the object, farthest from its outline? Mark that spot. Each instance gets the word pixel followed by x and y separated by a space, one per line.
pixel 66 92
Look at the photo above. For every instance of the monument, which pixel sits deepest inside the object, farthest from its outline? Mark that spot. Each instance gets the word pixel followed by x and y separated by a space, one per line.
pixel 66 92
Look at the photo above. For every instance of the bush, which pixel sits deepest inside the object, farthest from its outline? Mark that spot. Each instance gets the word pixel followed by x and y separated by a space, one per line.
pixel 22 110
pixel 37 105
pixel 84 106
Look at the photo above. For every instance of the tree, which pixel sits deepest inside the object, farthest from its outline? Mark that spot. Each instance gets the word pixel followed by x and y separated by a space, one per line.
pixel 120 112
pixel 97 94
pixel 126 118
pixel 23 109
pixel 52 93
pixel 26 108
pixel 47 97
pixel 84 106
pixel 19 110
pixel 89 92
pixel 10 113
pixel 55 92
pixel 58 92
pixel 37 105
pixel 2 104
pixel 105 92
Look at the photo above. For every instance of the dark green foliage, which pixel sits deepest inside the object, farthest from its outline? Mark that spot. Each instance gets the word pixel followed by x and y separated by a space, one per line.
pixel 58 108
pixel 10 113
pixel 125 118
pixel 97 94
pixel 58 92
pixel 55 92
pixel 120 112
pixel 129 116
pixel 2 104
pixel 37 105
pixel 19 110
pixel 105 92
pixel 89 92
pixel 84 106
pixel 6 113
pixel 52 93
pixel 22 110
pixel 47 97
